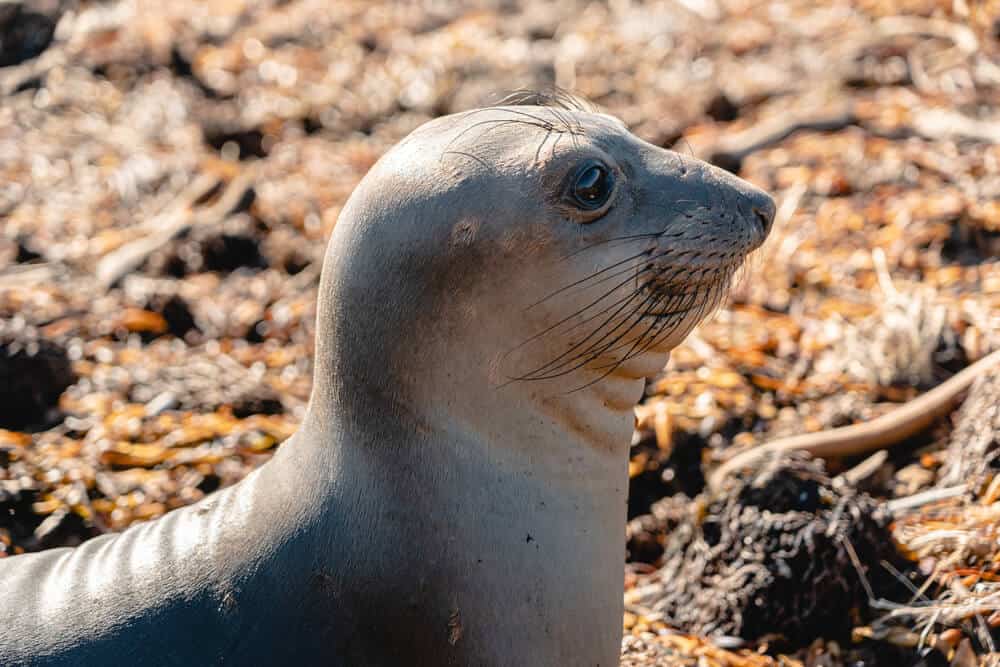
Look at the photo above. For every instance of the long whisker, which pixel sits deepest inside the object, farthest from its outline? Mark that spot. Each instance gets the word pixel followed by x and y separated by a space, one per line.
pixel 658 330
pixel 668 316
pixel 580 311
pixel 593 332
pixel 673 318
pixel 468 155
pixel 538 151
pixel 597 244
pixel 612 276
pixel 589 277
pixel 495 123
pixel 614 366
pixel 592 352
pixel 590 358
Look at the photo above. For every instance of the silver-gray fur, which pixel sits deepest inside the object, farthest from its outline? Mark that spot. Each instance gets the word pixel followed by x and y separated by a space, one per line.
pixel 456 494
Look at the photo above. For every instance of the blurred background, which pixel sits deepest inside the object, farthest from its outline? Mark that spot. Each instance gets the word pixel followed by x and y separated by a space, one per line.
pixel 169 172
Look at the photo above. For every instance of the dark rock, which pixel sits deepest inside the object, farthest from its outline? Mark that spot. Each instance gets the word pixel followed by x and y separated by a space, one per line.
pixel 25 253
pixel 259 400
pixel 250 143
pixel 24 34
pixel 720 108
pixel 175 310
pixel 17 517
pixel 228 252
pixel 223 249
pixel 34 371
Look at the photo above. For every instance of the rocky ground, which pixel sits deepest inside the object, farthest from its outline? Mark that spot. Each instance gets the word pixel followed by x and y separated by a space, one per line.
pixel 169 171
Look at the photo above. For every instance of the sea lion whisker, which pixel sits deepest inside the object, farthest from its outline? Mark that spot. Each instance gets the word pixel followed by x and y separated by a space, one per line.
pixel 576 346
pixel 639 289
pixel 538 151
pixel 559 362
pixel 551 97
pixel 495 123
pixel 590 277
pixel 653 299
pixel 686 301
pixel 597 244
pixel 635 343
pixel 613 368
pixel 519 112
pixel 568 125
pixel 652 258
pixel 672 318
pixel 555 145
pixel 468 155
pixel 659 337
pixel 644 265
pixel 577 313
pixel 599 347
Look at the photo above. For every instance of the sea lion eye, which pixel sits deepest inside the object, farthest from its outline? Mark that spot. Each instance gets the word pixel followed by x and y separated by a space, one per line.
pixel 592 186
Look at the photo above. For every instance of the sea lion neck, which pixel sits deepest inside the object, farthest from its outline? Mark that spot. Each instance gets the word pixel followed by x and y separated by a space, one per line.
pixel 407 373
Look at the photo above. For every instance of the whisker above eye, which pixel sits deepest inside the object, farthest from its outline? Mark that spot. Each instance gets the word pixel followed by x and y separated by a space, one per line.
pixel 468 155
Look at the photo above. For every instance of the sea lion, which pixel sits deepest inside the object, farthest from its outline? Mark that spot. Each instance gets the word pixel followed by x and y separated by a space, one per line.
pixel 493 295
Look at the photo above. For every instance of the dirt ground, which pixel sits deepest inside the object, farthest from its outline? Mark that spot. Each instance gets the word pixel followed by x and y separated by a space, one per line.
pixel 169 173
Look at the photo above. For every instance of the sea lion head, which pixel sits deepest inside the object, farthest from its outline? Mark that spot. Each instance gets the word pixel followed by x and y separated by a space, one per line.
pixel 539 245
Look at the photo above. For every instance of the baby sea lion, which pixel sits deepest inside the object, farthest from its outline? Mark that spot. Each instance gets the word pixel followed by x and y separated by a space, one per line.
pixel 494 294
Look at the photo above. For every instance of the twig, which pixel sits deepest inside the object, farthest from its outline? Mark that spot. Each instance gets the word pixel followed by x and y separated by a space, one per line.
pixel 899 505
pixel 944 123
pixel 730 150
pixel 27 276
pixel 863 470
pixel 180 217
pixel 883 431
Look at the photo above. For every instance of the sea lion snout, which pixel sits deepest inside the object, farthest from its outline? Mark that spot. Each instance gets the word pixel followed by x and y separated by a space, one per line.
pixel 753 208
pixel 743 210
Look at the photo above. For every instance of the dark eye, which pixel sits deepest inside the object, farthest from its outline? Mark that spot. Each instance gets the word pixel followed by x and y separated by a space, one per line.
pixel 592 186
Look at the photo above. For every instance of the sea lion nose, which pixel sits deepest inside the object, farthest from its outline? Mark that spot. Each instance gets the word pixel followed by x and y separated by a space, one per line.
pixel 754 207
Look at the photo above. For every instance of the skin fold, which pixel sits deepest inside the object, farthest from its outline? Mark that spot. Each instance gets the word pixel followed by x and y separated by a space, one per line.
pixel 456 494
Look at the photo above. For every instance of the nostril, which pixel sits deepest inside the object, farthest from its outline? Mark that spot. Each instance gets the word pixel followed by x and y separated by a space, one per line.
pixel 765 216
pixel 761 219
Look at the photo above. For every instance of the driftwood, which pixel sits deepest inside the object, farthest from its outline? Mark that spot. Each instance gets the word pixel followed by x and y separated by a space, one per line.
pixel 730 150
pixel 883 431
pixel 178 218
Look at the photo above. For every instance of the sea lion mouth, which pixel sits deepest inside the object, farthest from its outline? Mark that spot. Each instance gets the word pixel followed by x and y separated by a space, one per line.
pixel 684 290
pixel 666 299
